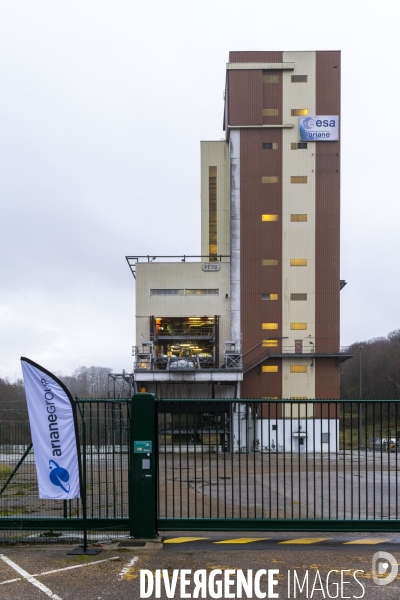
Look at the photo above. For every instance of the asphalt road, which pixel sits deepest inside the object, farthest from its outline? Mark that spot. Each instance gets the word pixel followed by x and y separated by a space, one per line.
pixel 47 571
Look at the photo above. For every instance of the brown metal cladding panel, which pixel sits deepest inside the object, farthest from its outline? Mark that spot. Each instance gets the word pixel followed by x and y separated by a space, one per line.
pixel 255 56
pixel 245 89
pixel 272 98
pixel 271 410
pixel 327 252
pixel 327 378
pixel 257 384
pixel 260 240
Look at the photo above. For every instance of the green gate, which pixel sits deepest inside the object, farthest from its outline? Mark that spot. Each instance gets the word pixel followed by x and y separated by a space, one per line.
pixel 161 465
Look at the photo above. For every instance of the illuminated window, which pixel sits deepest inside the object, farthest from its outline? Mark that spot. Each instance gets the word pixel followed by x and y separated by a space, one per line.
pixel 270 398
pixel 270 78
pixel 299 78
pixel 269 325
pixel 270 217
pixel 298 262
pixel 270 112
pixel 298 397
pixel 298 179
pixel 270 369
pixel 269 296
pixel 298 369
pixel 300 297
pixel 298 326
pixel 269 146
pixel 212 212
pixel 270 343
pixel 298 218
pixel 269 262
pixel 298 145
pixel 205 292
pixel 299 112
pixel 269 179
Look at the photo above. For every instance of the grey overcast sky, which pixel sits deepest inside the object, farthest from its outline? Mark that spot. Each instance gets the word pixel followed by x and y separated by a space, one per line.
pixel 102 108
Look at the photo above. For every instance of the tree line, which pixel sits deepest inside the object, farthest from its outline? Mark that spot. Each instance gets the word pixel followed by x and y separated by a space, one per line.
pixel 379 360
pixel 85 382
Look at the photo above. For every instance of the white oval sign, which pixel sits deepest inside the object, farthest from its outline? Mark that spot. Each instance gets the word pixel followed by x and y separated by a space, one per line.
pixel 214 266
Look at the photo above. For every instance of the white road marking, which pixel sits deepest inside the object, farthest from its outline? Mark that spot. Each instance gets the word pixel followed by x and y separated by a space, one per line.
pixel 95 562
pixel 30 578
pixel 10 581
pixel 128 566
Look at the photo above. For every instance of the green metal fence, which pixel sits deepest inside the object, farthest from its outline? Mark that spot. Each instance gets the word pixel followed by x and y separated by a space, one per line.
pixel 105 459
pixel 214 465
pixel 283 465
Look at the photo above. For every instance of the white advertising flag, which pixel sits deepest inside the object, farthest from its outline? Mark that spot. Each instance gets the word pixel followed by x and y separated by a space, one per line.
pixel 52 418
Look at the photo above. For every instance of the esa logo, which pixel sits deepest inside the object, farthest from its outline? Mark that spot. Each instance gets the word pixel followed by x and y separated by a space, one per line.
pixel 310 123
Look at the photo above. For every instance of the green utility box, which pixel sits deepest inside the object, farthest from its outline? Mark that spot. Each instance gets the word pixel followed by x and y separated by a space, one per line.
pixel 143 468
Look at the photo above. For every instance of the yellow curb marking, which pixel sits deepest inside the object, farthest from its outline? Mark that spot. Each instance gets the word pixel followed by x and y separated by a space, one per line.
pixel 304 541
pixel 370 541
pixel 241 541
pixel 182 540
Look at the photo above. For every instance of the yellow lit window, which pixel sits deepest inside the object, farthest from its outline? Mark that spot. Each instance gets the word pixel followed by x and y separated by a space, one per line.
pixel 298 397
pixel 270 78
pixel 298 218
pixel 269 262
pixel 269 179
pixel 270 112
pixel 298 179
pixel 298 325
pixel 298 369
pixel 269 296
pixel 270 343
pixel 299 112
pixel 298 262
pixel 269 397
pixel 270 369
pixel 270 217
pixel 270 325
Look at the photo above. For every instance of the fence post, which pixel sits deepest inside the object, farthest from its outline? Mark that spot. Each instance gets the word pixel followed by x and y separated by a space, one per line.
pixel 143 467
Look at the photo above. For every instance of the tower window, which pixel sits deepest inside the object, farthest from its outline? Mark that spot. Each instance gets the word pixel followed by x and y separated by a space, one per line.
pixel 270 343
pixel 298 326
pixel 269 296
pixel 270 112
pixel 270 217
pixel 299 112
pixel 269 325
pixel 298 218
pixel 298 297
pixel 270 78
pixel 269 262
pixel 298 262
pixel 298 145
pixel 298 179
pixel 269 179
pixel 299 78
pixel 269 146
pixel 270 369
pixel 298 369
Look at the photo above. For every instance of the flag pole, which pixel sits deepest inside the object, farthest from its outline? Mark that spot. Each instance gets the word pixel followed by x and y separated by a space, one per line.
pixel 84 503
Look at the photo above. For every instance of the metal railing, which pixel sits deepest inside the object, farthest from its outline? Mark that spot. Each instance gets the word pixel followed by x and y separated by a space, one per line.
pixel 287 465
pixel 220 464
